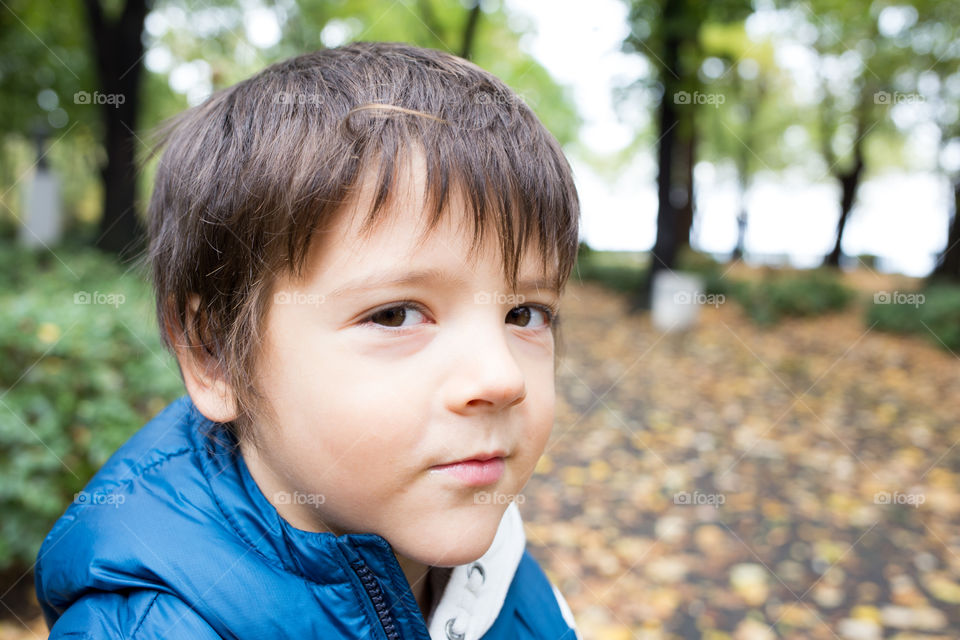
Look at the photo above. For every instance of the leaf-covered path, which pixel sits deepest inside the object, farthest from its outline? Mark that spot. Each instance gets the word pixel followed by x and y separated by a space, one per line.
pixel 738 482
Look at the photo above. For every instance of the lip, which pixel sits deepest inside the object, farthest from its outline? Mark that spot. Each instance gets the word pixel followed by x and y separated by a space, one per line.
pixel 477 471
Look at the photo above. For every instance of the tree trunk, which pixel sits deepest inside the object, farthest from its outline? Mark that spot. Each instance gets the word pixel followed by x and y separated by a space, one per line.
pixel 849 182
pixel 740 248
pixel 119 50
pixel 664 252
pixel 742 162
pixel 686 155
pixel 948 264
pixel 743 172
pixel 470 30
pixel 849 179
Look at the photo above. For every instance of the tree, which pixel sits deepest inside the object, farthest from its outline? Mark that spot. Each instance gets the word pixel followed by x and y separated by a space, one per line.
pixel 848 175
pixel 118 48
pixel 856 66
pixel 948 262
pixel 887 57
pixel 99 83
pixel 43 65
pixel 746 129
pixel 490 37
pixel 470 30
pixel 668 34
pixel 49 60
pixel 938 81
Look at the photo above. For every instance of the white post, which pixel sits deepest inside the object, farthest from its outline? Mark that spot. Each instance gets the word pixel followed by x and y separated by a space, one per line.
pixel 676 300
pixel 42 222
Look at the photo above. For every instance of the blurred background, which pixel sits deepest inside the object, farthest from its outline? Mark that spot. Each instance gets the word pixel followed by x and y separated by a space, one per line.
pixel 756 430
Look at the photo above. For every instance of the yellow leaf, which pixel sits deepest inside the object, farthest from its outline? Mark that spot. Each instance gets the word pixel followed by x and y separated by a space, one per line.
pixel 599 470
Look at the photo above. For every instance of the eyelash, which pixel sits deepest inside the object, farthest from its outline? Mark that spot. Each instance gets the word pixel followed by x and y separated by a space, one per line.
pixel 549 312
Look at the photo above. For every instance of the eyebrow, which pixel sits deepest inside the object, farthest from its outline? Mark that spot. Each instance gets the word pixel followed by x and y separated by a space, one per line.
pixel 387 280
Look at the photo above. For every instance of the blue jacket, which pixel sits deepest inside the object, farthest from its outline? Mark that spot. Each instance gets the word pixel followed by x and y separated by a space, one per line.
pixel 173 539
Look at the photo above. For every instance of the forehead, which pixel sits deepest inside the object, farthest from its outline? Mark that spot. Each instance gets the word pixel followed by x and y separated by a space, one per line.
pixel 409 229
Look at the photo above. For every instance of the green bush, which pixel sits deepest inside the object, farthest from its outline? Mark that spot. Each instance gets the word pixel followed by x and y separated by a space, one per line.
pixel 609 268
pixel 933 313
pixel 619 271
pixel 711 271
pixel 794 294
pixel 81 369
pixel 778 294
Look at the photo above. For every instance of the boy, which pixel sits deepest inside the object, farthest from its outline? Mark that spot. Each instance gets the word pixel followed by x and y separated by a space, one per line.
pixel 358 256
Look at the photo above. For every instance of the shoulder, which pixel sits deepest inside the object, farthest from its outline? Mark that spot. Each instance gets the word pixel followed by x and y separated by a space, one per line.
pixel 169 438
pixel 168 435
pixel 132 526
pixel 134 615
pixel 534 608
pixel 133 484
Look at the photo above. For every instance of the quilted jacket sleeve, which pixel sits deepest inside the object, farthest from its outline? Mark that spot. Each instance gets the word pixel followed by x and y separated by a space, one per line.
pixel 140 615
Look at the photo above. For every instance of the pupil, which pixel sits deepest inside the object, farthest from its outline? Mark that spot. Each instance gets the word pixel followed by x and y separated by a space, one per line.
pixel 522 314
pixel 391 317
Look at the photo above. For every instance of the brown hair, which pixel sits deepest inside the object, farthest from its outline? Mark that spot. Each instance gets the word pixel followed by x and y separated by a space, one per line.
pixel 248 175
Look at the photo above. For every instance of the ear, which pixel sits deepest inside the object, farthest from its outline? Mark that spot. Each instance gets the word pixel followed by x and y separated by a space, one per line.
pixel 205 381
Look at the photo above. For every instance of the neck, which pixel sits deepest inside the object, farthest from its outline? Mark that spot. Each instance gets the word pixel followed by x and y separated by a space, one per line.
pixel 418 575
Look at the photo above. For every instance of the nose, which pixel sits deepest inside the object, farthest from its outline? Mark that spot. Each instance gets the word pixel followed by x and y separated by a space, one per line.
pixel 487 377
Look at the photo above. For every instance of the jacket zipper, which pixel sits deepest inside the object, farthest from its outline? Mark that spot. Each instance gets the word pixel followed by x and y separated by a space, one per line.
pixel 372 587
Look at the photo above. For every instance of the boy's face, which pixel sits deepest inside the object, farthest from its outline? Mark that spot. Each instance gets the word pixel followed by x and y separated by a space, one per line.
pixel 373 388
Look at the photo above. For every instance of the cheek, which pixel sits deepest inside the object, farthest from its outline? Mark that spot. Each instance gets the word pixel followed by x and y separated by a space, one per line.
pixel 348 454
pixel 541 416
pixel 344 421
pixel 332 400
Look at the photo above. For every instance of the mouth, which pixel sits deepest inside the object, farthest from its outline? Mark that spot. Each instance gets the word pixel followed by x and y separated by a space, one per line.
pixel 477 471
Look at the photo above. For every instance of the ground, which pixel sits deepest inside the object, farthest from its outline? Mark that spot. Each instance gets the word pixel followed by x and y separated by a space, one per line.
pixel 738 482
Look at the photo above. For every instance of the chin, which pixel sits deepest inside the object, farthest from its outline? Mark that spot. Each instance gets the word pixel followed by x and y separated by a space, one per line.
pixel 450 541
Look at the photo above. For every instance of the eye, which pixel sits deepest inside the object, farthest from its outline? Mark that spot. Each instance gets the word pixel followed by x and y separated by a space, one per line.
pixel 395 317
pixel 540 316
